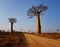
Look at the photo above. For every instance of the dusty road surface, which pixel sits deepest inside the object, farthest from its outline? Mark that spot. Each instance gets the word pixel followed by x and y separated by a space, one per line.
pixel 37 41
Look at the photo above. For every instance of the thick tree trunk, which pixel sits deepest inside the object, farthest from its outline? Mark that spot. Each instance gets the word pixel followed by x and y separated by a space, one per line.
pixel 11 27
pixel 38 25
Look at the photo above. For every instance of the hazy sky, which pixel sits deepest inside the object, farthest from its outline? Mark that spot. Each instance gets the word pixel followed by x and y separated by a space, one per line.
pixel 50 21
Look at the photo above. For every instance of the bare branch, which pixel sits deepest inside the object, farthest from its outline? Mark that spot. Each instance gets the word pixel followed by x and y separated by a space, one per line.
pixel 34 11
pixel 13 20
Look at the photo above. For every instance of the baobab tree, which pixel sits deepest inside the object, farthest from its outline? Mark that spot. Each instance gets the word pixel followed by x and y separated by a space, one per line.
pixel 12 20
pixel 37 11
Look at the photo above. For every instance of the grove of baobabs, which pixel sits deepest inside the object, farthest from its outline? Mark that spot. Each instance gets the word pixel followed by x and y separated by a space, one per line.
pixel 44 23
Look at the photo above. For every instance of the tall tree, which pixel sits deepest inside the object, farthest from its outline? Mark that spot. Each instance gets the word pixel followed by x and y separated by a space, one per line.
pixel 12 20
pixel 37 11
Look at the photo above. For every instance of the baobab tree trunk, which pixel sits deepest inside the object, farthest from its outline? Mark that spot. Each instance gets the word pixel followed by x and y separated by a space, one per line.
pixel 11 27
pixel 38 25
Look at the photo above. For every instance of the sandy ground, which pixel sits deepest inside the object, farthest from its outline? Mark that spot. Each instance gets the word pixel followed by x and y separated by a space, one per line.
pixel 26 40
pixel 37 41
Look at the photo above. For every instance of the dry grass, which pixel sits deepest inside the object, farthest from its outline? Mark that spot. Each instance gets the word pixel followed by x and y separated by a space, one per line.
pixel 16 39
pixel 55 36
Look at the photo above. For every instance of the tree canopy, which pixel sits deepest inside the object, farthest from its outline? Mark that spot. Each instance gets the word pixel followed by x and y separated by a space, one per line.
pixel 12 20
pixel 34 10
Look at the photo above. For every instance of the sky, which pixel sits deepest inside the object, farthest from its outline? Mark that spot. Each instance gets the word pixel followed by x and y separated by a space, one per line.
pixel 50 21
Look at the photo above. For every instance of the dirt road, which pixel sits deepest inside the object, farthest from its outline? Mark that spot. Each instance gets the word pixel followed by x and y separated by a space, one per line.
pixel 37 41
pixel 26 40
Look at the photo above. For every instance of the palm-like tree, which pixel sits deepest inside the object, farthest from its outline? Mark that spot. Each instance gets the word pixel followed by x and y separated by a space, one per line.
pixel 37 11
pixel 12 20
